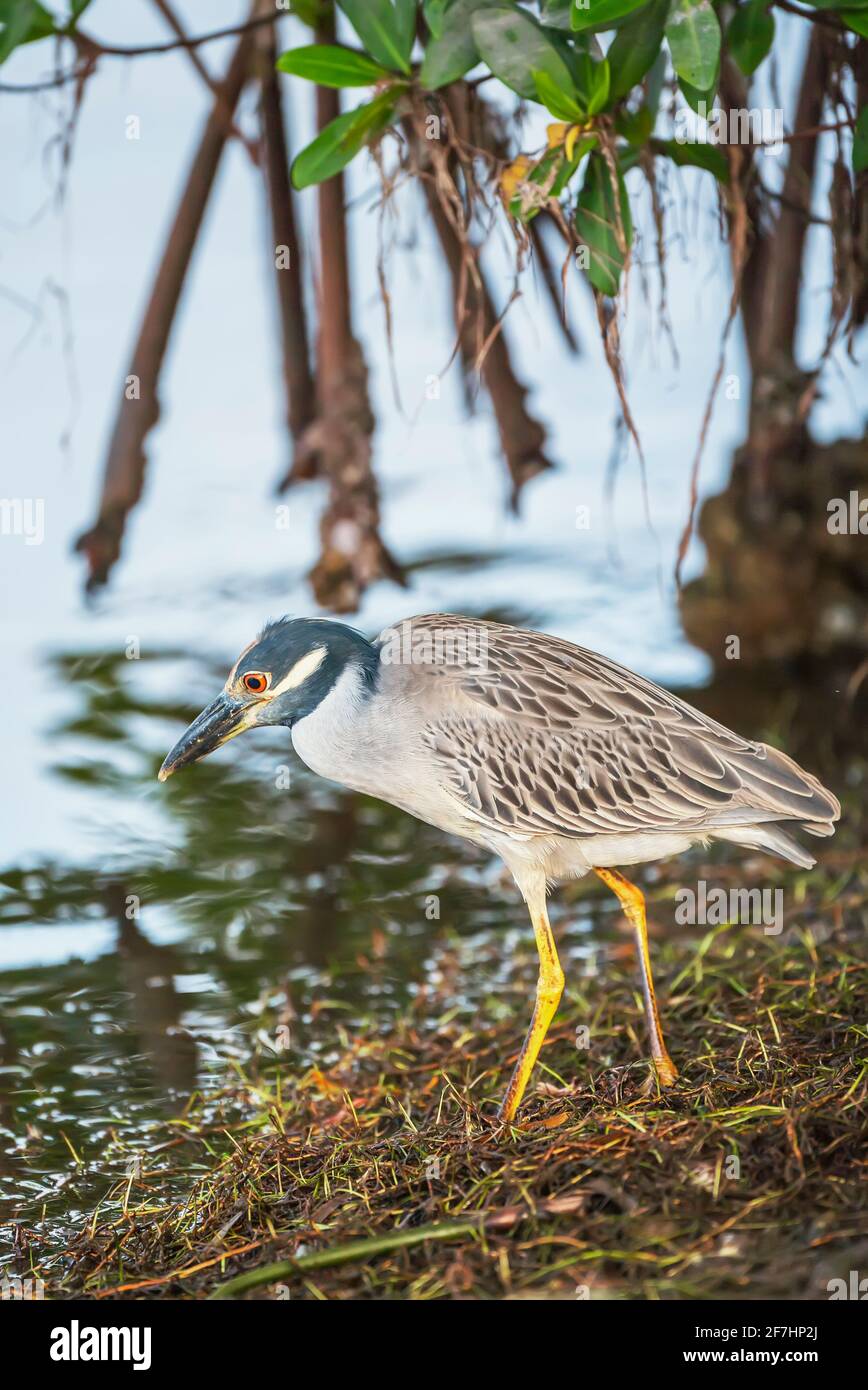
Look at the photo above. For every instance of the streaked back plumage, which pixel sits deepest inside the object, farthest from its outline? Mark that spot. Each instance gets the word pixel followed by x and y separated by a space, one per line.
pixel 548 738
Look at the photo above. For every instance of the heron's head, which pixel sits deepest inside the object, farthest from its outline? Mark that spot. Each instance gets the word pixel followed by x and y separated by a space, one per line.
pixel 280 678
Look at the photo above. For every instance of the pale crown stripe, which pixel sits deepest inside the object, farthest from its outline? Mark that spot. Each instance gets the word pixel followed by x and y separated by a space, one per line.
pixel 300 671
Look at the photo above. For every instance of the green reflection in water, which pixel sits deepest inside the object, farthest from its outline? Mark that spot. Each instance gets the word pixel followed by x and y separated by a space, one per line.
pixel 260 902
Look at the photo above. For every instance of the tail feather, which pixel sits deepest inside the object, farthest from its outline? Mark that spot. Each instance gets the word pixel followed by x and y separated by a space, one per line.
pixel 769 838
pixel 775 784
pixel 823 828
pixel 819 804
pixel 775 789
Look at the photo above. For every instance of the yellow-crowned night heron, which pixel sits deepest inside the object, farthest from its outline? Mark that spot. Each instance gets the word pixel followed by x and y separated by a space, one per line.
pixel 558 760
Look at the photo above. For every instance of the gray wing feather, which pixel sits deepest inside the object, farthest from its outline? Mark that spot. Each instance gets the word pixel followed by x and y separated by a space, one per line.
pixel 543 737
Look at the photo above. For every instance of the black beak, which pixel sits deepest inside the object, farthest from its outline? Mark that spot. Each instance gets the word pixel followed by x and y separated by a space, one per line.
pixel 218 723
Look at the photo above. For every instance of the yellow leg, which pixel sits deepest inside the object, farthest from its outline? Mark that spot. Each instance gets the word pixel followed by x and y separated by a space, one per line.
pixel 633 903
pixel 549 988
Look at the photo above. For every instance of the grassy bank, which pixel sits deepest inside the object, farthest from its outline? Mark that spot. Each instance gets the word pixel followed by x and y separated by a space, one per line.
pixel 383 1173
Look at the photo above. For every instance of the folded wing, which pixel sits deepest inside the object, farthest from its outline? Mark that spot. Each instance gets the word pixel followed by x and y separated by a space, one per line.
pixel 542 737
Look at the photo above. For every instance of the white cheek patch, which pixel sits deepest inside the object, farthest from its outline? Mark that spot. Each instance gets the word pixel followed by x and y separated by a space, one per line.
pixel 300 672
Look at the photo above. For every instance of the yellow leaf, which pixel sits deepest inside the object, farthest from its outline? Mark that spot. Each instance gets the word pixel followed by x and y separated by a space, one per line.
pixel 323 1084
pixel 572 136
pixel 552 1121
pixel 560 134
pixel 515 174
pixel 555 134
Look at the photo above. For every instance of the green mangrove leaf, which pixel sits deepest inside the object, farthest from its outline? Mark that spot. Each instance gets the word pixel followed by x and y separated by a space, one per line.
pixel 693 34
pixel 386 28
pixel 515 46
pixel 435 12
pixel 452 51
pixel 602 14
pixel 592 82
pixel 857 20
pixel 750 34
pixel 342 139
pixel 556 13
pixel 695 156
pixel 599 209
pixel 554 99
pixel 22 21
pixel 635 46
pixel 329 65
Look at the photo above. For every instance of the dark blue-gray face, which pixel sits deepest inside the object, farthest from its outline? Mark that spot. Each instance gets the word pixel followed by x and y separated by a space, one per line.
pixel 281 677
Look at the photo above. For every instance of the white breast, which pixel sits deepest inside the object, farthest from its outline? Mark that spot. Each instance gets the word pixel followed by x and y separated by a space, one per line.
pixel 373 745
pixel 327 739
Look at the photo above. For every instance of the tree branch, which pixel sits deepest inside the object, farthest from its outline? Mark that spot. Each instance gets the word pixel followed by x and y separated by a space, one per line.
pixel 125 465
pixel 522 437
pixel 213 86
pixel 353 554
pixel 297 375
pixel 94 48
pixel 781 255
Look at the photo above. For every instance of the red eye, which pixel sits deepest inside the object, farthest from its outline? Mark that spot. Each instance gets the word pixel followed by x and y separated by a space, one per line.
pixel 255 682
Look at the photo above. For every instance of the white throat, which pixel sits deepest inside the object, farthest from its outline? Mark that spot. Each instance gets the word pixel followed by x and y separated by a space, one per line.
pixel 331 738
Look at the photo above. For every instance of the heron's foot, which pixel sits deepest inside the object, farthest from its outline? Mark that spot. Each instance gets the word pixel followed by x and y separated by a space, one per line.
pixel 667 1072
